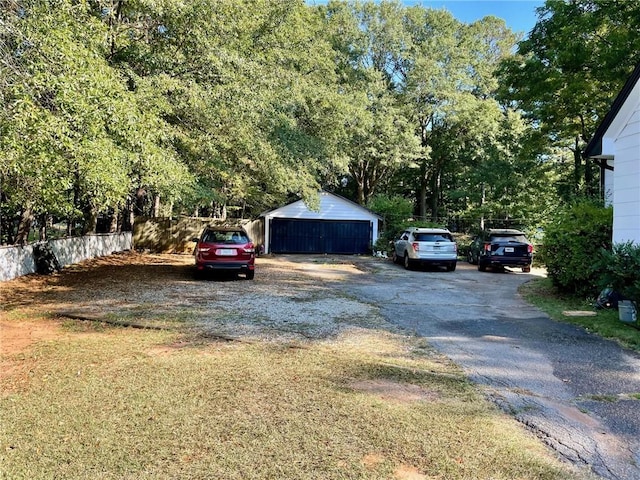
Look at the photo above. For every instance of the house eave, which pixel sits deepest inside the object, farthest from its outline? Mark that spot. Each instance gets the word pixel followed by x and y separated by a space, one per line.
pixel 595 147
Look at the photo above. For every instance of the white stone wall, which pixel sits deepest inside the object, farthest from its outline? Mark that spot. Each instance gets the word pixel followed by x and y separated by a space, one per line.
pixel 18 261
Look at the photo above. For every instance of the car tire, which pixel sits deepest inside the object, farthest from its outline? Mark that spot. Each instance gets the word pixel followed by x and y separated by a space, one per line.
pixel 250 274
pixel 451 267
pixel 394 257
pixel 407 262
pixel 526 269
pixel 470 258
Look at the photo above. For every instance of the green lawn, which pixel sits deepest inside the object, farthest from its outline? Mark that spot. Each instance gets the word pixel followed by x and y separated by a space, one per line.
pixel 103 402
pixel 606 323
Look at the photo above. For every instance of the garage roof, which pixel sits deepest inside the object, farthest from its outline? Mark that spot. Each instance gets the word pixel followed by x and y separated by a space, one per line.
pixel 332 207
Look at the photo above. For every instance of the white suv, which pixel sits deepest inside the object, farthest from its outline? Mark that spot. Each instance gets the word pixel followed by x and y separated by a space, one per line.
pixel 426 246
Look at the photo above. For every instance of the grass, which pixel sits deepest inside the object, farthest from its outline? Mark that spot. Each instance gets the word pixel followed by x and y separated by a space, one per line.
pixel 606 323
pixel 105 402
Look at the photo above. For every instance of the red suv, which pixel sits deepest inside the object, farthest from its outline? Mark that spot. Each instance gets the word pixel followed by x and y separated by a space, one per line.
pixel 226 249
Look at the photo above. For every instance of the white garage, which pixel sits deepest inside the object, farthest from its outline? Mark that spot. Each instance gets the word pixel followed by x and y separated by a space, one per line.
pixel 340 226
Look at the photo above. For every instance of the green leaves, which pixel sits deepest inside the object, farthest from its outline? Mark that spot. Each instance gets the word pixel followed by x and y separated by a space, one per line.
pixel 221 104
pixel 573 244
pixel 568 71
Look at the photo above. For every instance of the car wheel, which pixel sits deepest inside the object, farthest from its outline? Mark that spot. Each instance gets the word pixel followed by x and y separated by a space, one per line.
pixel 470 258
pixel 451 267
pixel 526 269
pixel 407 262
pixel 394 257
pixel 251 274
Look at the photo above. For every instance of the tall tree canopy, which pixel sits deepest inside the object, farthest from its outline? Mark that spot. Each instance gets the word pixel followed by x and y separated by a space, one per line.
pixel 568 70
pixel 129 107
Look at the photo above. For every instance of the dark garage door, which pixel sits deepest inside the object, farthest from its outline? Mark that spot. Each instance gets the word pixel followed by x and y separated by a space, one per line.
pixel 319 236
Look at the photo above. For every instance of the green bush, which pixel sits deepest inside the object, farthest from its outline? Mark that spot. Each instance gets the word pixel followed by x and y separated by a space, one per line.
pixel 573 245
pixel 619 269
pixel 395 210
pixel 464 242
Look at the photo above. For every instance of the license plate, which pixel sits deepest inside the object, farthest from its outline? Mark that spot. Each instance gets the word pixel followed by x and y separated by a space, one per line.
pixel 508 249
pixel 226 252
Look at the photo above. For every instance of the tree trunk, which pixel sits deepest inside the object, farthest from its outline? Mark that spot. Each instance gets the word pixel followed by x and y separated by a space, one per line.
pixel 42 227
pixel 589 177
pixel 422 190
pixel 360 196
pixel 140 198
pixel 482 201
pixel 156 206
pixel 422 199
pixel 435 196
pixel 26 219
pixel 577 164
pixel 113 225
pixel 90 220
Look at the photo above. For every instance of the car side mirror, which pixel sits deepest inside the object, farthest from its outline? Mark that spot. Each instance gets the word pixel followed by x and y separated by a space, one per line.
pixel 195 239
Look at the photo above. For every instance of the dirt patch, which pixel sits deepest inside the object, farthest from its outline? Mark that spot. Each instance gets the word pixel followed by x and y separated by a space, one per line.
pixel 402 472
pixel 394 391
pixel 16 336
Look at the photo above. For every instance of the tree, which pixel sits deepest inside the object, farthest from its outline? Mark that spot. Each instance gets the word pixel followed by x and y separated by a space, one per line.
pixel 74 131
pixel 449 83
pixel 575 59
pixel 244 87
pixel 377 139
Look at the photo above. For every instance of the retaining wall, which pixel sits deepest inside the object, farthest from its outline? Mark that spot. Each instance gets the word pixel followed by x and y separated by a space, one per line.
pixel 18 261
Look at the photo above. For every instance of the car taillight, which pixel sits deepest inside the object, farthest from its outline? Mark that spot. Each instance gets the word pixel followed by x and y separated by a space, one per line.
pixel 530 248
pixel 249 248
pixel 455 247
pixel 487 247
pixel 202 249
pixel 416 246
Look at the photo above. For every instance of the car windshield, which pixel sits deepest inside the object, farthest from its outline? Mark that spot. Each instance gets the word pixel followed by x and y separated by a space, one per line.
pixel 229 237
pixel 433 237
pixel 510 238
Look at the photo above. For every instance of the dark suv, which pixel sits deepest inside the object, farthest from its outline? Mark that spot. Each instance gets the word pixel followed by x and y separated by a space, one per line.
pixel 225 248
pixel 501 248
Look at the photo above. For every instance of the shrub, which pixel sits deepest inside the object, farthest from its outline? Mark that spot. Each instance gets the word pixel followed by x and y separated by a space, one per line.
pixel 395 210
pixel 464 242
pixel 619 269
pixel 573 244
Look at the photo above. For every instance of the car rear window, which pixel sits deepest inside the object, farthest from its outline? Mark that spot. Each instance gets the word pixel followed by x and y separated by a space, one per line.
pixel 230 237
pixel 510 238
pixel 433 237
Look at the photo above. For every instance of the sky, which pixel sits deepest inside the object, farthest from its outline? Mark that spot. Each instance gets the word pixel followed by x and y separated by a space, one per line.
pixel 519 15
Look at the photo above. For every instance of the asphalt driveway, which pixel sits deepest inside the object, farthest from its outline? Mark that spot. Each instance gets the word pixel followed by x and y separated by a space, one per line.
pixel 577 392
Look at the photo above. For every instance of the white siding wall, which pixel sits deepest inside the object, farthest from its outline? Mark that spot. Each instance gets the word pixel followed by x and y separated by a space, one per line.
pixel 626 195
pixel 331 208
pixel 608 186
